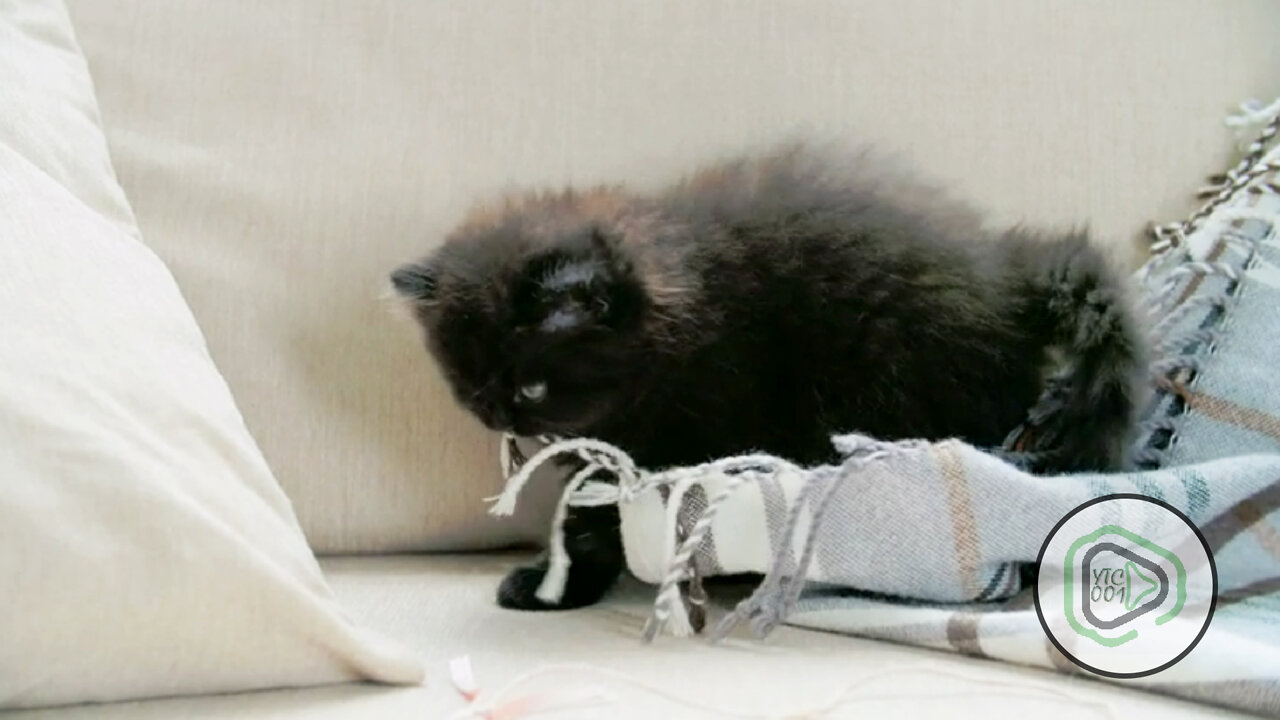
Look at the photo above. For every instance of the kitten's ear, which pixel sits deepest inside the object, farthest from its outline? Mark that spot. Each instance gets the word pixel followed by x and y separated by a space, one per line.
pixel 415 282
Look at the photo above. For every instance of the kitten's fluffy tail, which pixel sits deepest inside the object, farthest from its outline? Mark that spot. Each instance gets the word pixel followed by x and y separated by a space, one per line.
pixel 1088 416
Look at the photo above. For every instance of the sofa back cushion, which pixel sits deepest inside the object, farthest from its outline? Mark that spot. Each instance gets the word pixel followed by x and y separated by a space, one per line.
pixel 283 157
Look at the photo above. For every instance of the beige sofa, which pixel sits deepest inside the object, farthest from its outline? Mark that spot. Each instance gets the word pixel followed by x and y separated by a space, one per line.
pixel 281 157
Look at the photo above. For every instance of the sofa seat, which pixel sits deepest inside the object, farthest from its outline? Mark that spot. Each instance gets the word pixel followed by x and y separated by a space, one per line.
pixel 442 606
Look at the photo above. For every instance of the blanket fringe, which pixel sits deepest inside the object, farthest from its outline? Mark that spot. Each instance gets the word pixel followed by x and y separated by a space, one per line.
pixel 785 577
pixel 1179 354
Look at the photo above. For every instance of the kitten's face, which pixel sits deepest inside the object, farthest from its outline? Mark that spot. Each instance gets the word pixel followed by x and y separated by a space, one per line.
pixel 534 335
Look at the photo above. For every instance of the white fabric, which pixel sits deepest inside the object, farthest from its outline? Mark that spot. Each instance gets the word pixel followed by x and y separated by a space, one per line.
pixel 443 605
pixel 283 156
pixel 145 547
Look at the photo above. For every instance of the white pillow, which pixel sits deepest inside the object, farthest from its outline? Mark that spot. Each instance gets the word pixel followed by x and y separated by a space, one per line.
pixel 145 547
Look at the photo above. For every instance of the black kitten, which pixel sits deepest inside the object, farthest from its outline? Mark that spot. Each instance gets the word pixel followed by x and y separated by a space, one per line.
pixel 765 304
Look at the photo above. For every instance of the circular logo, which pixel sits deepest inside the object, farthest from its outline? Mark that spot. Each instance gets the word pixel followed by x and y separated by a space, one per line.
pixel 1126 586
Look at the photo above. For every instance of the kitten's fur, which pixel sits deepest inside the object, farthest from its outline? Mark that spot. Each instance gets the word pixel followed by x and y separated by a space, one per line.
pixel 765 304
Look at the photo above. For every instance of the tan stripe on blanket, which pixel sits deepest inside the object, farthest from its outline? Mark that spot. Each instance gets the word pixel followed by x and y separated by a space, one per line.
pixel 1261 529
pixel 1222 410
pixel 963 524
pixel 1219 247
pixel 1250 514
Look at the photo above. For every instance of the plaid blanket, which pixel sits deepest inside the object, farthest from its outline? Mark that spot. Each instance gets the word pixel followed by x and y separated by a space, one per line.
pixel 1212 442
pixel 937 544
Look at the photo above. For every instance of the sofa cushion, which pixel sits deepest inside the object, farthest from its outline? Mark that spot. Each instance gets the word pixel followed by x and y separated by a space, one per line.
pixel 284 156
pixel 443 605
pixel 145 548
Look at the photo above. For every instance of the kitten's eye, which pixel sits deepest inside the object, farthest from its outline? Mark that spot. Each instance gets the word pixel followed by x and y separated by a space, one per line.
pixel 534 392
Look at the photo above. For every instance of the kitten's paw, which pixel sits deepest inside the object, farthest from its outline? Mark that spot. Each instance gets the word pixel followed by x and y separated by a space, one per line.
pixel 519 589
